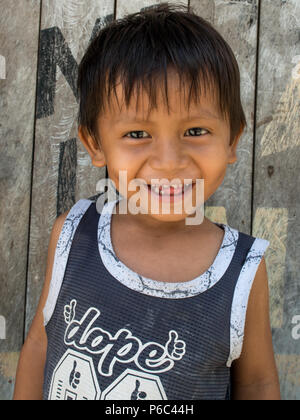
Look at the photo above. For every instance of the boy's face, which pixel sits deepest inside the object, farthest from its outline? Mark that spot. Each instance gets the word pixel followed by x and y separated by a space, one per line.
pixel 181 145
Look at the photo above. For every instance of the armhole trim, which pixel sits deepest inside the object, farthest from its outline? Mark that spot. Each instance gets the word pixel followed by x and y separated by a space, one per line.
pixel 62 254
pixel 241 297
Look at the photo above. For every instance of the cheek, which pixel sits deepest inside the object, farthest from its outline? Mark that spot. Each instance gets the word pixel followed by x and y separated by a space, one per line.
pixel 122 168
pixel 213 166
pixel 213 161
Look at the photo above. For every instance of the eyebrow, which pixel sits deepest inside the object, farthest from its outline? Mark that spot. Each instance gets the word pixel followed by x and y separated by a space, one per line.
pixel 204 114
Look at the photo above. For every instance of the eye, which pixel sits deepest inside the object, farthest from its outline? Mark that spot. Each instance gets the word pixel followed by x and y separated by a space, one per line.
pixel 137 134
pixel 198 131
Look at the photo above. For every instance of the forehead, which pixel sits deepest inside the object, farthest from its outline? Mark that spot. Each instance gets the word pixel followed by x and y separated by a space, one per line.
pixel 171 96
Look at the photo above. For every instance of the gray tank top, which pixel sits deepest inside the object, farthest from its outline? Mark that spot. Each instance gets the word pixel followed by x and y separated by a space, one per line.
pixel 116 335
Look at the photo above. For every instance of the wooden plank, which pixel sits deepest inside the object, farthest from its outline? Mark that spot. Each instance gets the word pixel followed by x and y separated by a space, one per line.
pixel 125 7
pixel 63 172
pixel 276 187
pixel 18 48
pixel 237 23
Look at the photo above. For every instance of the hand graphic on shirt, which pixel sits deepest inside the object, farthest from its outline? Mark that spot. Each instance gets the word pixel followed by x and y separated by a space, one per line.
pixel 69 312
pixel 175 347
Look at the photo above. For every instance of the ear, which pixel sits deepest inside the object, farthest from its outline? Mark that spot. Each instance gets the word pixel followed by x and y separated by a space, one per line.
pixel 92 146
pixel 232 158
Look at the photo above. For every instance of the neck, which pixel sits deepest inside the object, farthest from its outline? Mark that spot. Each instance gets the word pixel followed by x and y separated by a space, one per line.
pixel 151 226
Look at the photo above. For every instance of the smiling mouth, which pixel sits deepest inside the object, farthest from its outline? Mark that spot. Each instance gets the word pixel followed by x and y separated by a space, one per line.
pixel 170 190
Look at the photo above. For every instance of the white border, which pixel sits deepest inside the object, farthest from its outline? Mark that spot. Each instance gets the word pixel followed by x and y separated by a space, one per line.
pixel 156 288
pixel 62 254
pixel 241 297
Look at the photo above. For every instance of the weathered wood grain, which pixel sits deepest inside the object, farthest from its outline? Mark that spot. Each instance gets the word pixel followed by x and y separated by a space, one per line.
pixel 237 23
pixel 276 187
pixel 62 169
pixel 63 172
pixel 19 29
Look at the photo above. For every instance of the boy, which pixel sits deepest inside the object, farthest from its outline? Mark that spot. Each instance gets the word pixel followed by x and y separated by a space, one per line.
pixel 142 305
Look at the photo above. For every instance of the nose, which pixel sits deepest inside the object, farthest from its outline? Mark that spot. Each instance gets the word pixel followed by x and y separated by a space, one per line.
pixel 168 157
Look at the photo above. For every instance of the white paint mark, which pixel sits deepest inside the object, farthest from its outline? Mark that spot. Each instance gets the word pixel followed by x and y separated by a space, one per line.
pixel 282 133
pixel 296 69
pixel 2 328
pixel 2 67
pixel 216 214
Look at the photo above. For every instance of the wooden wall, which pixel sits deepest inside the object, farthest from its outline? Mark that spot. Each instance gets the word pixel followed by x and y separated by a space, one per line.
pixel 44 168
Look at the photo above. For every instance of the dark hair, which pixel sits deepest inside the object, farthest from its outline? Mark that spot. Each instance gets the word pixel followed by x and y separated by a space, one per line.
pixel 140 48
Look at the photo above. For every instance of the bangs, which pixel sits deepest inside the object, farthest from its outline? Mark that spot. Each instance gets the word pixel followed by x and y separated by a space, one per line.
pixel 192 87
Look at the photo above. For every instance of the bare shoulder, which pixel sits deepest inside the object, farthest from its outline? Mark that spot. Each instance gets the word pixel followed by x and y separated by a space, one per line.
pixel 58 224
pixel 256 367
pixel 260 289
pixel 55 232
pixel 29 375
pixel 37 330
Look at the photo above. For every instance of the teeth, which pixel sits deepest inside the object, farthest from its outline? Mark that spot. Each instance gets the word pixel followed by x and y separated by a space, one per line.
pixel 165 189
pixel 175 186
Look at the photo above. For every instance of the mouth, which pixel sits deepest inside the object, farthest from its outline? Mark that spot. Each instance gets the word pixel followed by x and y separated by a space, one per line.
pixel 176 190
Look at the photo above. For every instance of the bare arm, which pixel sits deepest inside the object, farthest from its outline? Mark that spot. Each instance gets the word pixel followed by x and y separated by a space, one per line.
pixel 30 371
pixel 254 373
